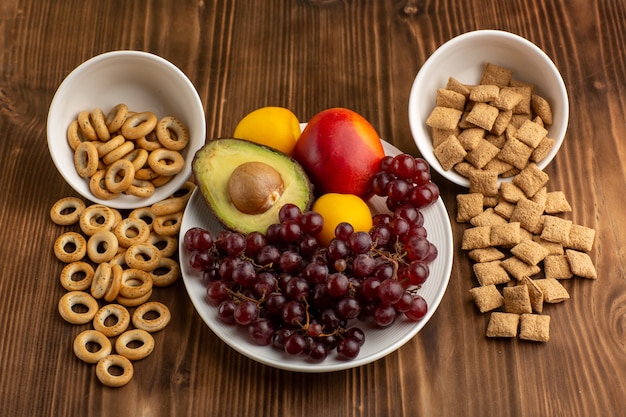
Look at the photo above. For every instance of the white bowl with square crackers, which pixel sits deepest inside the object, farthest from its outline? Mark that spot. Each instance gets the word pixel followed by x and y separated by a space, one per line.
pixel 488 102
pixel 109 102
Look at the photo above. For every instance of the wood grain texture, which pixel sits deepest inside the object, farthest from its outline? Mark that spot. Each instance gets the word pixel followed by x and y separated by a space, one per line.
pixel 358 54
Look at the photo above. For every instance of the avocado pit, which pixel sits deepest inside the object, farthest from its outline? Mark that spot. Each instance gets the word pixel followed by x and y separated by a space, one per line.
pixel 254 187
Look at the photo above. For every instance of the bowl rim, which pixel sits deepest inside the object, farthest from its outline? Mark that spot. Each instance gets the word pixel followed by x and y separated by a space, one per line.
pixel 416 123
pixel 56 103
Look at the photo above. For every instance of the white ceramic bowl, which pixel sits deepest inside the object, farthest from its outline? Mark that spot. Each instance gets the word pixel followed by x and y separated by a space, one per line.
pixel 144 82
pixel 464 58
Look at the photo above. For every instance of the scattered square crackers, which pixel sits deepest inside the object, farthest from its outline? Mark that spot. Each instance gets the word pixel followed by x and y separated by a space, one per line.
pixel 523 248
pixel 497 125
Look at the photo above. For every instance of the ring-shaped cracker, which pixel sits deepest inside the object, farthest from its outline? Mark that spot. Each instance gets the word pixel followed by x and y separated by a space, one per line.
pixel 102 246
pixel 139 125
pixel 185 191
pixel 143 256
pixel 151 325
pixel 99 124
pixel 118 153
pixel 166 273
pixel 98 187
pixel 135 283
pixel 172 133
pixel 146 173
pixel 67 211
pixel 116 282
pixel 75 298
pixel 130 231
pixel 70 247
pixel 166 161
pixel 70 270
pixel 139 158
pixel 85 126
pixel 167 245
pixel 119 176
pixel 133 302
pixel 102 280
pixel 123 342
pixel 150 142
pixel 74 135
pixel 168 206
pixel 110 145
pixel 116 117
pixel 86 337
pixel 168 225
pixel 141 188
pixel 96 217
pixel 119 259
pixel 111 380
pixel 120 324
pixel 143 213
pixel 161 180
pixel 86 159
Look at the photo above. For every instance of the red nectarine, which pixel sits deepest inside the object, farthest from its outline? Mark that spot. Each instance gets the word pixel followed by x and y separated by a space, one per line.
pixel 340 151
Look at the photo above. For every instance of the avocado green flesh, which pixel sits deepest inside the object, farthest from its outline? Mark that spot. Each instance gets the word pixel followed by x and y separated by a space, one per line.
pixel 213 165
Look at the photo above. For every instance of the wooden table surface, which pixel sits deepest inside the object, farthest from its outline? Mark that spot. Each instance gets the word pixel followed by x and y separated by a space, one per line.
pixel 363 55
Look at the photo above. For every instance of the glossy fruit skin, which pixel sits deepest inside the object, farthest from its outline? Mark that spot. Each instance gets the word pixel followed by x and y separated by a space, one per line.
pixel 340 151
pixel 276 127
pixel 336 208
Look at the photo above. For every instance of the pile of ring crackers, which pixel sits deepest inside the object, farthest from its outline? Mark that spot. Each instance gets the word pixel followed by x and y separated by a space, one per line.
pixel 113 262
pixel 519 237
pixel 126 152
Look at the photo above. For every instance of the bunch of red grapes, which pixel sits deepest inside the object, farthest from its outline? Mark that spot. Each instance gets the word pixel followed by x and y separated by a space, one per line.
pixel 305 299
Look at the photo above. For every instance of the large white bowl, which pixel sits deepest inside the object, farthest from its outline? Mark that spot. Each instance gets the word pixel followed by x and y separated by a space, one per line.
pixel 464 58
pixel 379 342
pixel 144 82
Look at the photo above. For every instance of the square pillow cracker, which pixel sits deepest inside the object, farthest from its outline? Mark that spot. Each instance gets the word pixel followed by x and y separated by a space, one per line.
pixel 581 238
pixel 581 264
pixel 506 234
pixel 482 153
pixel 444 118
pixel 556 229
pixel 490 273
pixel 535 293
pixel 507 99
pixel 531 133
pixel 468 206
pixel 517 299
pixel 553 291
pixel 531 179
pixel 495 74
pixel 534 327
pixel 519 269
pixel 530 252
pixel 516 153
pixel 528 214
pixel 484 182
pixel 542 150
pixel 476 238
pixel 483 115
pixel 557 267
pixel 511 192
pixel 450 152
pixel 488 218
pixel 556 202
pixel 451 99
pixel 486 255
pixel 484 93
pixel 502 324
pixel 487 298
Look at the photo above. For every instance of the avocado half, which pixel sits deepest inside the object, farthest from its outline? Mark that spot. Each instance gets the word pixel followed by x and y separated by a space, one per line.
pixel 214 164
